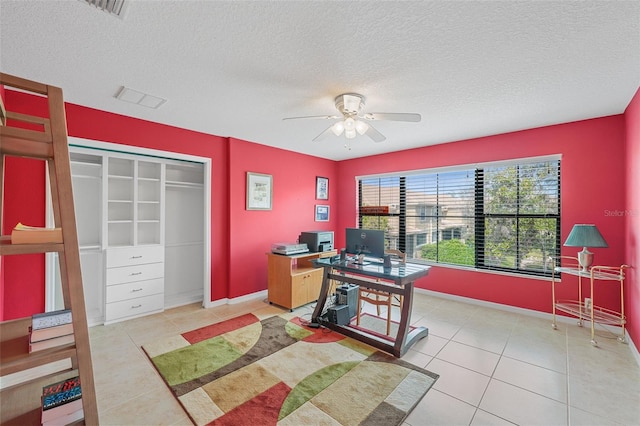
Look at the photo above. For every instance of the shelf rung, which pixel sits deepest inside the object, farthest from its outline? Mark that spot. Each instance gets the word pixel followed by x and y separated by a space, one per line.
pixel 16 356
pixel 6 248
pixel 23 83
pixel 14 146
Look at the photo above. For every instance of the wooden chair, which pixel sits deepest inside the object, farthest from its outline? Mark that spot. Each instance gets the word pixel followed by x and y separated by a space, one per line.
pixel 402 258
pixel 381 298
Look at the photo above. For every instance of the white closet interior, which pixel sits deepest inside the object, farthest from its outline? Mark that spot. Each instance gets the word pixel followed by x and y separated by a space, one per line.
pixel 143 219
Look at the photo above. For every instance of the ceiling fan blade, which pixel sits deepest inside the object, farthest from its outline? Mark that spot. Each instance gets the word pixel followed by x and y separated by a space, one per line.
pixel 374 134
pixel 324 134
pixel 393 116
pixel 324 117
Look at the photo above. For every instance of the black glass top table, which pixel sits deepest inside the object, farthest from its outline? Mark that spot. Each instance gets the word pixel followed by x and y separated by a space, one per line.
pixel 396 280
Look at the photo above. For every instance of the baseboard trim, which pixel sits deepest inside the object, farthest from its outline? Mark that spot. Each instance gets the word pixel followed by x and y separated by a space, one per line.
pixel 249 297
pixel 216 303
pixel 183 299
pixel 529 312
pixel 235 300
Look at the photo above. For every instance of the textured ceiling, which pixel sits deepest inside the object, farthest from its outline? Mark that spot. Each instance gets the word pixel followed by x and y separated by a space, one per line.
pixel 236 68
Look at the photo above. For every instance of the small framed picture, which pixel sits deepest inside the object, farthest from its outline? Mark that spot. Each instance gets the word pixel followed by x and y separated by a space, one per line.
pixel 259 191
pixel 322 213
pixel 322 188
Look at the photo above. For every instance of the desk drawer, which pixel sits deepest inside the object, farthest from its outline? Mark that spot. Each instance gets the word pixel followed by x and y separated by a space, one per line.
pixel 134 307
pixel 116 293
pixel 127 274
pixel 127 256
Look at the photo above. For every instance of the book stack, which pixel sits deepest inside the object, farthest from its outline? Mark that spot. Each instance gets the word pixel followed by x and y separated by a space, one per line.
pixel 51 329
pixel 62 402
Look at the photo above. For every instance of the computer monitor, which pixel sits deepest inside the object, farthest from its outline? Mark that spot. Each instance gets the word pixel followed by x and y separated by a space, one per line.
pixel 369 242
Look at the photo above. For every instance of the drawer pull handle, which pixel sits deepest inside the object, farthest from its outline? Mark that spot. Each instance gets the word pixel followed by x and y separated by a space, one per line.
pixel 136 273
pixel 136 257
pixel 136 289
pixel 136 306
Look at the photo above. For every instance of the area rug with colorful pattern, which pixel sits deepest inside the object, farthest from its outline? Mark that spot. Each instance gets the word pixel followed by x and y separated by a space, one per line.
pixel 278 371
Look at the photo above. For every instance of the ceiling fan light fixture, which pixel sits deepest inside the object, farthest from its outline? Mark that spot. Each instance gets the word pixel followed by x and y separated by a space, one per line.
pixel 350 133
pixel 349 123
pixel 361 127
pixel 338 128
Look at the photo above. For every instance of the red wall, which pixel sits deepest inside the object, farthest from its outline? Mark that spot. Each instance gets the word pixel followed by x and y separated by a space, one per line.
pixel 24 200
pixel 253 231
pixel 632 216
pixel 238 264
pixel 593 181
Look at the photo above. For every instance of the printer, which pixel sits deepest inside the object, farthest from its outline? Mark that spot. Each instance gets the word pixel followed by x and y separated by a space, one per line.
pixel 317 241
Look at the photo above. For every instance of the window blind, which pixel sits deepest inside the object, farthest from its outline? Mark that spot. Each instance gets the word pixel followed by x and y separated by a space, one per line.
pixel 502 216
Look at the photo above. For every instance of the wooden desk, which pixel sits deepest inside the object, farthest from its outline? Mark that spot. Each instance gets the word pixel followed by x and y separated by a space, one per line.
pixel 293 280
pixel 398 280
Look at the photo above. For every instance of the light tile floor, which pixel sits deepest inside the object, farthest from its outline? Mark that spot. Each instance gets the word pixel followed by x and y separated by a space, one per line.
pixel 496 367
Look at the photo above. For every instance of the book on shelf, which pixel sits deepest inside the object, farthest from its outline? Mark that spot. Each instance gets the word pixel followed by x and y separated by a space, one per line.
pixel 41 334
pixel 23 234
pixel 51 319
pixel 51 343
pixel 60 393
pixel 62 402
pixel 63 414
pixel 66 420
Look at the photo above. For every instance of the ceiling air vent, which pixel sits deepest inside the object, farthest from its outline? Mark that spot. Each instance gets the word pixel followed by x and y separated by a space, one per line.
pixel 112 7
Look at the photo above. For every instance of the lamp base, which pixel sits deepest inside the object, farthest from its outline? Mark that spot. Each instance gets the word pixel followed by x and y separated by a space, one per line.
pixel 585 259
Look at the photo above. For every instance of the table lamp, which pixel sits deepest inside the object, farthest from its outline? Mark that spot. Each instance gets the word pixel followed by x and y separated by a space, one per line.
pixel 585 236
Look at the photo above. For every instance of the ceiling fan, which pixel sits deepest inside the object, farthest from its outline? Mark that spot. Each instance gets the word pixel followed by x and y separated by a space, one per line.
pixel 354 121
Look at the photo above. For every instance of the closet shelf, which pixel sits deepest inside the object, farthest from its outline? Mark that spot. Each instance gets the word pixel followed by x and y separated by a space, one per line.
pixel 180 184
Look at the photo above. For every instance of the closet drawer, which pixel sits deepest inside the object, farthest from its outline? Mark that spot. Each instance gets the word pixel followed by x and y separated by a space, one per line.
pixel 127 256
pixel 116 293
pixel 134 307
pixel 128 274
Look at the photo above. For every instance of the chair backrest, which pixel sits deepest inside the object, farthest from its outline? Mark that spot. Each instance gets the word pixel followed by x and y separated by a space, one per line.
pixel 397 254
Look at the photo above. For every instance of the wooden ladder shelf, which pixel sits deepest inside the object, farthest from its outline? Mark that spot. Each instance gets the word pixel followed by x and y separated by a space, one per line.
pixel 20 403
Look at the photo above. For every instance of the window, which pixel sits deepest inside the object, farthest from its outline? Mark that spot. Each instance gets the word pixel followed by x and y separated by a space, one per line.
pixel 500 216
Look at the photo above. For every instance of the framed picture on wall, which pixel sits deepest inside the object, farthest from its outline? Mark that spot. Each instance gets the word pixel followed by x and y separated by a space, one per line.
pixel 322 188
pixel 322 213
pixel 259 191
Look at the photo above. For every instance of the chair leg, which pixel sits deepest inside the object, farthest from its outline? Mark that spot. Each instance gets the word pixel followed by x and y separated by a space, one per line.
pixel 389 315
pixel 358 310
pixel 378 304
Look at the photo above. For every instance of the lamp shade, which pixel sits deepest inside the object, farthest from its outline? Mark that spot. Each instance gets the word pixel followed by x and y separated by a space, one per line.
pixel 585 236
pixel 338 128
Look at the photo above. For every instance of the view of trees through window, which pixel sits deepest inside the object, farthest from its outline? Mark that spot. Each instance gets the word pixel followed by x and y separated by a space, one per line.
pixel 500 217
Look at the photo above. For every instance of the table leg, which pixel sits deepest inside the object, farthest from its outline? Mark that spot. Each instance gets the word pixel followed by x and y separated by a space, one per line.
pixel 322 297
pixel 405 338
